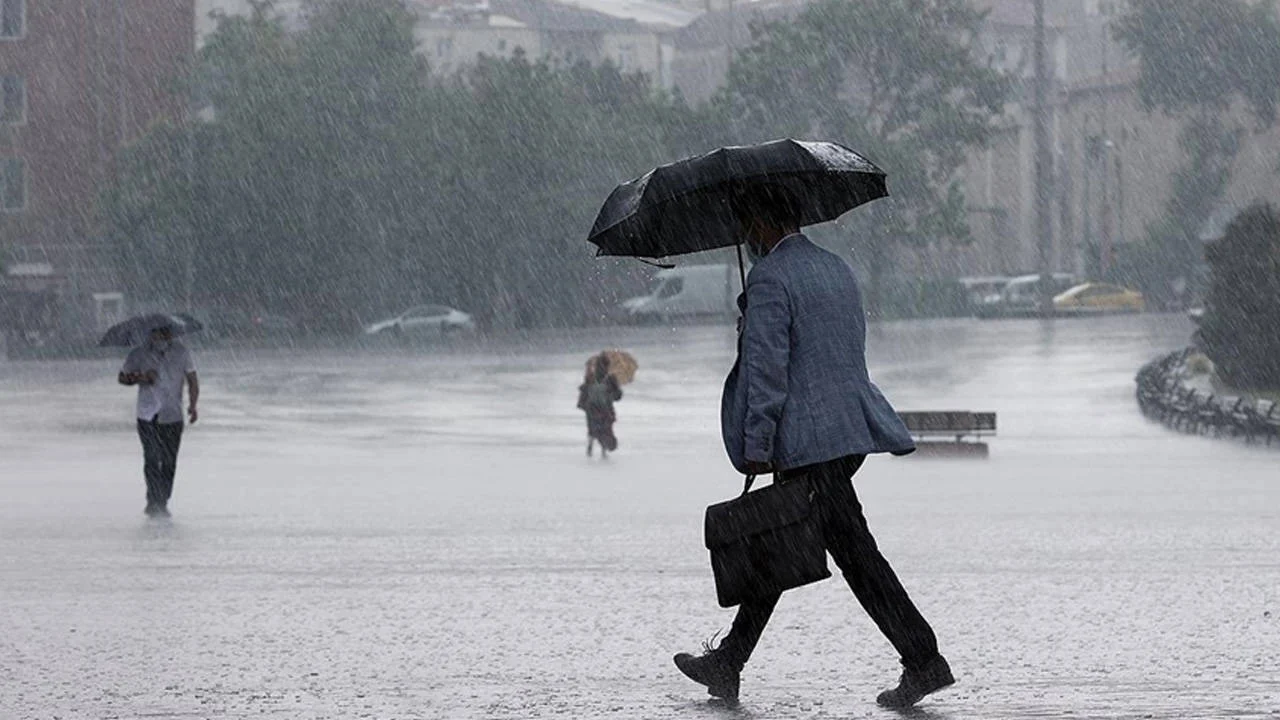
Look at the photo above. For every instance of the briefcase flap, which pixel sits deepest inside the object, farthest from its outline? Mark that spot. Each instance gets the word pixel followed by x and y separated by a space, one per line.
pixel 760 511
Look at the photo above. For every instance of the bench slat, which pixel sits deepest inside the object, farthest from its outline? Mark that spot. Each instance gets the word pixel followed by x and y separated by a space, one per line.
pixel 949 422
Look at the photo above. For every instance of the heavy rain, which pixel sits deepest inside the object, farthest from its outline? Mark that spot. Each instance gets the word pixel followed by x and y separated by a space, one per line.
pixel 405 358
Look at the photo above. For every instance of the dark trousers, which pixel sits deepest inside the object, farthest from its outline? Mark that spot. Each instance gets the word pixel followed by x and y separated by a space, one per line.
pixel 160 443
pixel 850 544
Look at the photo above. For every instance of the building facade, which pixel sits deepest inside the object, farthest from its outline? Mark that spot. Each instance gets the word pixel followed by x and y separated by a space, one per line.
pixel 451 37
pixel 1113 160
pixel 80 79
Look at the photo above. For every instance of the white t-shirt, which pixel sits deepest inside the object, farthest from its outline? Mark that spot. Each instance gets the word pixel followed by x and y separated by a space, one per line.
pixel 162 400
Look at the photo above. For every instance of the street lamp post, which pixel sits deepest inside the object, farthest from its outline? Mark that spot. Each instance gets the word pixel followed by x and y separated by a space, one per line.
pixel 1043 164
pixel 189 260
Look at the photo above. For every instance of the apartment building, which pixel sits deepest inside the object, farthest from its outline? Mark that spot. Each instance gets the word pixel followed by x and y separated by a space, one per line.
pixel 79 79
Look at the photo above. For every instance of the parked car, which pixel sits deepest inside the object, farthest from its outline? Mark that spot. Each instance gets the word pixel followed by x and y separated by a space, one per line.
pixel 1021 296
pixel 687 292
pixel 1098 298
pixel 234 323
pixel 424 320
pixel 983 290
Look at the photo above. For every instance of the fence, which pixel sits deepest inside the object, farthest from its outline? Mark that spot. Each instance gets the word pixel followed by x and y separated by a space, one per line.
pixel 1162 395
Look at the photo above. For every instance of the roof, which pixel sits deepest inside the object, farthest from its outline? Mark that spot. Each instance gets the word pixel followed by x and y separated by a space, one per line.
pixel 721 28
pixel 655 13
pixel 556 16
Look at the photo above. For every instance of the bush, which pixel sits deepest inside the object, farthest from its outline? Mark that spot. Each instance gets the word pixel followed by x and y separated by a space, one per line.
pixel 1241 327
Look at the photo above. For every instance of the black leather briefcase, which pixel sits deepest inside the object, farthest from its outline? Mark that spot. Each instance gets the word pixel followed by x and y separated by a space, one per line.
pixel 766 541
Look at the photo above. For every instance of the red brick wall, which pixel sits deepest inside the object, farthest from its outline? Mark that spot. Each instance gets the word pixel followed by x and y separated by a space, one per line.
pixel 98 73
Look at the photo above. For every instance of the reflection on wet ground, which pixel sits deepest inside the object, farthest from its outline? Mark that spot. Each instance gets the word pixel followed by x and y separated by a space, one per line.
pixel 418 534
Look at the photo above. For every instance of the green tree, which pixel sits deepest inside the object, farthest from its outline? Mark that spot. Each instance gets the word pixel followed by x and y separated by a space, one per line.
pixel 335 178
pixel 902 80
pixel 1243 309
pixel 1197 59
pixel 216 192
pixel 544 144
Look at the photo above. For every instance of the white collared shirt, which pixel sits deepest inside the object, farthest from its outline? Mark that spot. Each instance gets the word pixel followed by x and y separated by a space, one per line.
pixel 162 400
pixel 785 238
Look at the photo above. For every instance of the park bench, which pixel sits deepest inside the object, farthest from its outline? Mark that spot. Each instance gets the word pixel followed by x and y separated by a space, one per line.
pixel 955 425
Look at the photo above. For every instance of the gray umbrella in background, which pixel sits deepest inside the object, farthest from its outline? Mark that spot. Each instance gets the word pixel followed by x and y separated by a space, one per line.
pixel 136 330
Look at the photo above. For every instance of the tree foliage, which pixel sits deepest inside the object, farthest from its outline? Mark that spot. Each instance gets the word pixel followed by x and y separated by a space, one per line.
pixel 1173 248
pixel 337 180
pixel 902 80
pixel 1205 54
pixel 1243 309
pixel 334 177
pixel 1197 59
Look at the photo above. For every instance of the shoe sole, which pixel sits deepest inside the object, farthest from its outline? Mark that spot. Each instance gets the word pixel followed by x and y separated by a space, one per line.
pixel 915 702
pixel 714 692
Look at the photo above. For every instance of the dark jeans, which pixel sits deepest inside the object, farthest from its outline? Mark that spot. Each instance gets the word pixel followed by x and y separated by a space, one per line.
pixel 850 544
pixel 160 443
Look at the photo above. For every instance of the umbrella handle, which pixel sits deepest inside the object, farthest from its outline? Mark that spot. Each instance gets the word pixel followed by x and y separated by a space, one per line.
pixel 742 272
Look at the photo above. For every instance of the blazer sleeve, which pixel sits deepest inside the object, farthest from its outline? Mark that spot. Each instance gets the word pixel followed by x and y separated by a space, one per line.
pixel 766 350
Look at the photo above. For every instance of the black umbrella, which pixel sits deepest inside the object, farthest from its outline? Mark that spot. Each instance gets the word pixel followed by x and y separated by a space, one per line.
pixel 136 330
pixel 684 207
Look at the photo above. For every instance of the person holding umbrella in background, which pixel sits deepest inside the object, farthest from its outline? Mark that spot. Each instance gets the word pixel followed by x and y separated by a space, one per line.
pixel 160 366
pixel 600 389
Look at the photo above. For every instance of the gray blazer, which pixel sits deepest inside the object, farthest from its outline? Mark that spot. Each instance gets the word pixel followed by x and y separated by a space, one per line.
pixel 799 392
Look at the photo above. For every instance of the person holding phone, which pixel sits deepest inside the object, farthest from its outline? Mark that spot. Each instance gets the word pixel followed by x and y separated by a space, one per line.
pixel 160 368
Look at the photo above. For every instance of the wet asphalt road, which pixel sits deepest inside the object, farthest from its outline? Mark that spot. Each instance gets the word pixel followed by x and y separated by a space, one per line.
pixel 417 534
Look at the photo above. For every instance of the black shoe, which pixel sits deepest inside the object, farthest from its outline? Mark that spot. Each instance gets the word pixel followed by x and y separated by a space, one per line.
pixel 710 669
pixel 151 509
pixel 915 684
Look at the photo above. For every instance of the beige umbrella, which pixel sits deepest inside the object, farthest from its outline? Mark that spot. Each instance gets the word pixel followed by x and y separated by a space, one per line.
pixel 622 365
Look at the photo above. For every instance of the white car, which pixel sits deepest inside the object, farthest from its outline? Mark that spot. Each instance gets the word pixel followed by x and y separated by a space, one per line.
pixel 424 320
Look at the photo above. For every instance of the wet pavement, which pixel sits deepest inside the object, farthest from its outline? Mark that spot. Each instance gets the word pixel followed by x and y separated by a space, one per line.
pixel 418 534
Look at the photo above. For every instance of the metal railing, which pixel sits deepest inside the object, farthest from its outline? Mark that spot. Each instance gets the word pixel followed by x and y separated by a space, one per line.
pixel 1162 395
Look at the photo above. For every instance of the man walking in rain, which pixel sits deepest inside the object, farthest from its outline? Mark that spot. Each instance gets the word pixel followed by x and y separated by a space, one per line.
pixel 160 367
pixel 801 405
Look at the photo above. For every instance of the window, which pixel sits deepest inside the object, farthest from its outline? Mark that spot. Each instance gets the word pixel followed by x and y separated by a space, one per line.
pixel 444 46
pixel 13 184
pixel 427 311
pixel 13 100
pixel 13 18
pixel 626 56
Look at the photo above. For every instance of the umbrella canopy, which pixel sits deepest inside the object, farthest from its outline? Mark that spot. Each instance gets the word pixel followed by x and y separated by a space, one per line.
pixel 136 330
pixel 684 207
pixel 622 366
